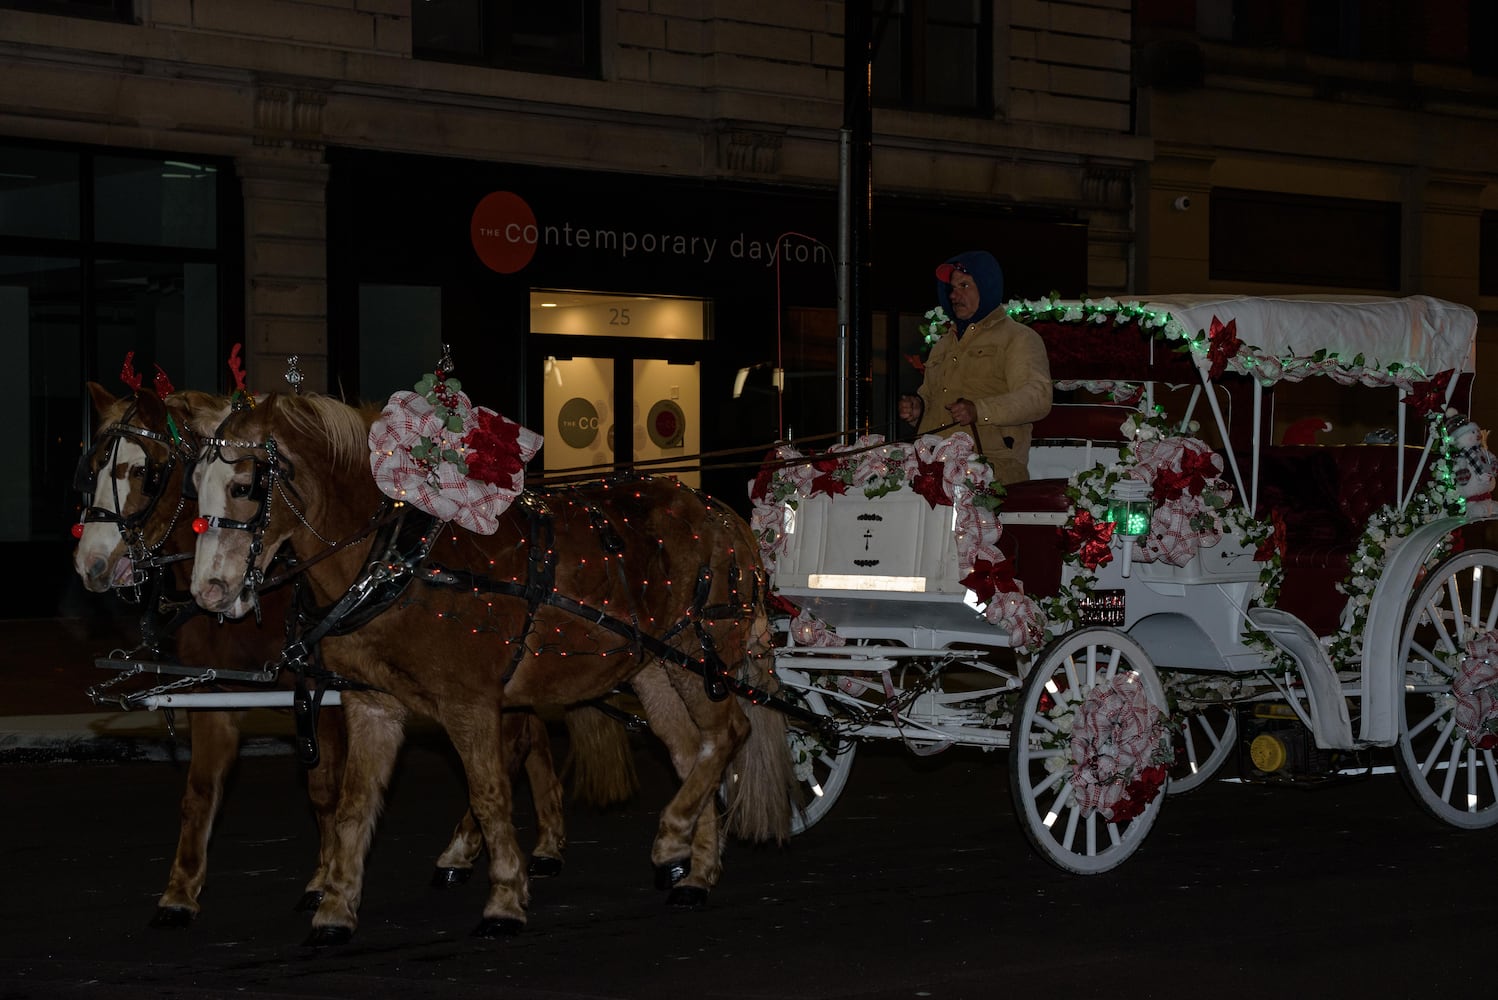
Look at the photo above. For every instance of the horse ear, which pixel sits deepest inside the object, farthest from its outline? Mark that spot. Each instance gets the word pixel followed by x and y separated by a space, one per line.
pixel 102 398
pixel 150 405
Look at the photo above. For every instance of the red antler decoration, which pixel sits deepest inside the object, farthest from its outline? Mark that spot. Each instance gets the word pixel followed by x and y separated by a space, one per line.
pixel 163 384
pixel 128 374
pixel 236 365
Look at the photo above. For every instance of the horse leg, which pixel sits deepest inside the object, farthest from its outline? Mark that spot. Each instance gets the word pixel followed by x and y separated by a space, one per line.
pixel 526 734
pixel 376 729
pixel 701 739
pixel 475 735
pixel 455 863
pixel 323 784
pixel 214 741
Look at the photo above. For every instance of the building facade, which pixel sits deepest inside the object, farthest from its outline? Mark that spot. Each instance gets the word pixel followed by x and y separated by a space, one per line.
pixel 622 215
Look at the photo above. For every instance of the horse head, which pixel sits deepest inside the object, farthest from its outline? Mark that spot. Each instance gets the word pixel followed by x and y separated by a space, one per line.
pixel 269 476
pixel 133 478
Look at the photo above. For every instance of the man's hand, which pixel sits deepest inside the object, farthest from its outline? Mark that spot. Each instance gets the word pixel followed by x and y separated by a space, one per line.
pixel 911 408
pixel 964 412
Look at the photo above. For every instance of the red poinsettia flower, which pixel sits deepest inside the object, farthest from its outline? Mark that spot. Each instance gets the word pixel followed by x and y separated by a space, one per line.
pixel 1275 542
pixel 928 482
pixel 988 579
pixel 493 450
pixel 916 362
pixel 1090 538
pixel 1223 345
pixel 1424 397
pixel 1139 793
pixel 828 482
pixel 1170 484
pixel 762 480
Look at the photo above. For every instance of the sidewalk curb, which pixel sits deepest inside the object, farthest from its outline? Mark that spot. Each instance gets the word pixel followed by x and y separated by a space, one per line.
pixel 115 737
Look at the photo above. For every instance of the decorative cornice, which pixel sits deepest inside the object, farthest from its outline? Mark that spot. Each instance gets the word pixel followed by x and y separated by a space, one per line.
pixel 289 116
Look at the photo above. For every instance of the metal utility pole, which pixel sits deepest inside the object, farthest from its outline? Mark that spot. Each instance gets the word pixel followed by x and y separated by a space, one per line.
pixel 855 204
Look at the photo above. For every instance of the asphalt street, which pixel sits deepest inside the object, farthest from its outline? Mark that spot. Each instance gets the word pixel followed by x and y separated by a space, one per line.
pixel 919 883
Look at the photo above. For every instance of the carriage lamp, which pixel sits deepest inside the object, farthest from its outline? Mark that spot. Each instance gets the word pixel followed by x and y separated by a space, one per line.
pixel 1130 510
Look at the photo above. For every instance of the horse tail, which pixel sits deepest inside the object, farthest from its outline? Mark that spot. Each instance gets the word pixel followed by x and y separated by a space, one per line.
pixel 600 762
pixel 760 779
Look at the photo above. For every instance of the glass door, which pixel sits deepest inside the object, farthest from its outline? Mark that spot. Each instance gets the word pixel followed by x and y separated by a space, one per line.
pixel 584 403
pixel 621 383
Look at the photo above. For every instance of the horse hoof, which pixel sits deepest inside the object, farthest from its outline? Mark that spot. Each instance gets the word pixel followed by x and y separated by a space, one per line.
pixel 447 878
pixel 687 897
pixel 672 872
pixel 310 901
pixel 544 867
pixel 334 934
pixel 498 927
pixel 172 916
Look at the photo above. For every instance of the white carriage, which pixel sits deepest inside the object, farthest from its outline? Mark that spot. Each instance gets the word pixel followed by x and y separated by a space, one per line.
pixel 1135 621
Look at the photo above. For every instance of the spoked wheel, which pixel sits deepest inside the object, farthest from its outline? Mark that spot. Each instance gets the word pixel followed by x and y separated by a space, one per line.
pixel 1452 775
pixel 1207 736
pixel 821 766
pixel 1064 804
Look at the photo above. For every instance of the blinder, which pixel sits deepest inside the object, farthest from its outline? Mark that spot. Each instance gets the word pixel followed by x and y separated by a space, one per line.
pixel 154 474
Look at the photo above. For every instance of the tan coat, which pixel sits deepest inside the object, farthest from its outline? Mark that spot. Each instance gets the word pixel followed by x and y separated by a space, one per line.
pixel 999 365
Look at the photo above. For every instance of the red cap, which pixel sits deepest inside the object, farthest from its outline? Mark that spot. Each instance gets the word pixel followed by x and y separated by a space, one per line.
pixel 944 272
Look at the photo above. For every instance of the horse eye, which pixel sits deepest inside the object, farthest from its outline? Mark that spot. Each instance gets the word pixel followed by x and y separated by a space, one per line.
pixel 137 472
pixel 239 491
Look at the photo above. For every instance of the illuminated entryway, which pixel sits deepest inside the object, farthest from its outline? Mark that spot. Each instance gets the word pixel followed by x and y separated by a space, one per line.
pixel 621 382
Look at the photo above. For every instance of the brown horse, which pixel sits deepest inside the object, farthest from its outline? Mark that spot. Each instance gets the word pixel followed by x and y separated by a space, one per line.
pixel 137 526
pixel 576 592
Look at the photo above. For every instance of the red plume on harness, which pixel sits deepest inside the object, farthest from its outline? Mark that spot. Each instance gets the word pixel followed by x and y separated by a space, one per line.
pixel 128 374
pixel 241 394
pixel 161 385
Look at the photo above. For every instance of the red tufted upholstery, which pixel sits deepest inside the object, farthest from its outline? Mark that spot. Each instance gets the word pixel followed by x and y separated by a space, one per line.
pixel 1325 496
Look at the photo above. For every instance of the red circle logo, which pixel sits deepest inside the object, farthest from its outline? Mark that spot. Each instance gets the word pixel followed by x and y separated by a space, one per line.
pixel 504 232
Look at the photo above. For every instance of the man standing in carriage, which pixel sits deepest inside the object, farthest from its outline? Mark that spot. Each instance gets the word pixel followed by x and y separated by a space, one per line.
pixel 987 374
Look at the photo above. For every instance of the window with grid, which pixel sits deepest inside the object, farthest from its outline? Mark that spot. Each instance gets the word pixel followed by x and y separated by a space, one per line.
pixel 558 37
pixel 107 10
pixel 936 55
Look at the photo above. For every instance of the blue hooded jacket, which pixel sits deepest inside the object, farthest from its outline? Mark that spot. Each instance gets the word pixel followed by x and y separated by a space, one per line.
pixel 986 274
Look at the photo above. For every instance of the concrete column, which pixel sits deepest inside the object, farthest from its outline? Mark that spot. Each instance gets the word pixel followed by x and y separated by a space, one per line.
pixel 286 267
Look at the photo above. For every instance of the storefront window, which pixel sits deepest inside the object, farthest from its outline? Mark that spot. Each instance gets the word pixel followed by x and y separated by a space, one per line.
pixel 400 337
pixel 158 202
pixel 38 193
pixel 40 393
pixel 101 255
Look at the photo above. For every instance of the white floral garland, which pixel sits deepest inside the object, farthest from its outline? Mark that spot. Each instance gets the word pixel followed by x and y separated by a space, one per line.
pixel 1246 359
pixel 1387 529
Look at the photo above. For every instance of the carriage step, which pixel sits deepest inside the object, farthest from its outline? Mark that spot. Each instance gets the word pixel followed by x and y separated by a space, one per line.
pixel 1329 719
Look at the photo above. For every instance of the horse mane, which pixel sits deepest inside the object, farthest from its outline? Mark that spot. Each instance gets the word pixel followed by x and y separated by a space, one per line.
pixel 343 429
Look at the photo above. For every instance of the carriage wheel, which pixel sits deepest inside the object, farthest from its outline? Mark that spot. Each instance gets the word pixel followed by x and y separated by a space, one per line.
pixel 1074 839
pixel 1453 780
pixel 821 769
pixel 1208 734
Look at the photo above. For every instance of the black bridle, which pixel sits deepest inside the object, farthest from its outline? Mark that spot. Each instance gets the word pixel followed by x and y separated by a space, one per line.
pixel 103 456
